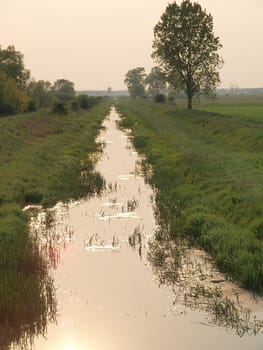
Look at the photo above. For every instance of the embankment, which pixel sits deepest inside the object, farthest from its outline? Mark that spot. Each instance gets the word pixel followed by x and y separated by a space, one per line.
pixel 207 170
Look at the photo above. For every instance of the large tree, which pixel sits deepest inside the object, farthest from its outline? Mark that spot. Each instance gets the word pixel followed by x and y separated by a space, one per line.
pixel 12 64
pixel 186 48
pixel 135 81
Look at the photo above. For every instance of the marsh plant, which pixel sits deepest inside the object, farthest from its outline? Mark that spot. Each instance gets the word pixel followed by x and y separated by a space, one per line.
pixel 132 204
pixel 136 240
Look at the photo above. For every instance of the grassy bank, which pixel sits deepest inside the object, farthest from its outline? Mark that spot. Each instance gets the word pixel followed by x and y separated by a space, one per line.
pixel 44 158
pixel 207 170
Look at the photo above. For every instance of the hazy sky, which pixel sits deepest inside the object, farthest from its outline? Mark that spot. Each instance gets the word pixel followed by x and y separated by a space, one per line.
pixel 95 42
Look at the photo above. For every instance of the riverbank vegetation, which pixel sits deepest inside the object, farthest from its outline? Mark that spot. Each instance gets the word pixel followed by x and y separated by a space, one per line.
pixel 207 170
pixel 47 136
pixel 44 158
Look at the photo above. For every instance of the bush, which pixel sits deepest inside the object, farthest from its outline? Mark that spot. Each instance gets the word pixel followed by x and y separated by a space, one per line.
pixel 33 197
pixel 85 101
pixel 59 108
pixel 160 98
pixel 31 107
pixel 74 106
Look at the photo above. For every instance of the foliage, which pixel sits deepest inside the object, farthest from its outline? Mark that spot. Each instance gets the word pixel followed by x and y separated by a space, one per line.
pixel 31 107
pixel 85 102
pixel 186 48
pixel 12 64
pixel 207 170
pixel 159 98
pixel 40 92
pixel 135 81
pixel 156 82
pixel 63 90
pixel 59 108
pixel 12 100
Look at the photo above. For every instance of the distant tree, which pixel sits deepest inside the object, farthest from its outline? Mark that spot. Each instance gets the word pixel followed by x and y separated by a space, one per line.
pixel 40 92
pixel 156 82
pixel 64 90
pixel 85 101
pixel 186 48
pixel 135 81
pixel 12 99
pixel 12 63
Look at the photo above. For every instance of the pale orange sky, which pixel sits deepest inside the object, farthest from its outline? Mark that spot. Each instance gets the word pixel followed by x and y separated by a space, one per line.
pixel 94 43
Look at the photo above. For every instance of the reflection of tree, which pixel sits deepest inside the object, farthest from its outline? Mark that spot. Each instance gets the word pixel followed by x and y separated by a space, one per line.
pixel 30 305
pixel 174 267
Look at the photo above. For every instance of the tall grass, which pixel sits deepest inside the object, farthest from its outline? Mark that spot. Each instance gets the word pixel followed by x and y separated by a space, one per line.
pixel 207 170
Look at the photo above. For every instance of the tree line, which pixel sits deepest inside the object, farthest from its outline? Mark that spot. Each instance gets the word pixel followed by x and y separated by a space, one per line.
pixel 186 51
pixel 20 93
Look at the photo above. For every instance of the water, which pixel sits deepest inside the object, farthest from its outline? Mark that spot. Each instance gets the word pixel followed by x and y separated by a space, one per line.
pixel 115 290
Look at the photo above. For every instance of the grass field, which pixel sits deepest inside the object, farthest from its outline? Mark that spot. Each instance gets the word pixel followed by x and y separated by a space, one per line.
pixel 246 107
pixel 44 158
pixel 208 171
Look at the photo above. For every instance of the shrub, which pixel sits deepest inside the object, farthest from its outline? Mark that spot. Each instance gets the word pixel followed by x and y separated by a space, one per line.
pixel 33 197
pixel 159 98
pixel 74 106
pixel 31 107
pixel 59 108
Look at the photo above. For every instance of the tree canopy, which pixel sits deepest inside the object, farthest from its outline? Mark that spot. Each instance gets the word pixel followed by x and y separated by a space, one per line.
pixel 40 92
pixel 156 82
pixel 12 64
pixel 185 47
pixel 12 99
pixel 135 81
pixel 64 90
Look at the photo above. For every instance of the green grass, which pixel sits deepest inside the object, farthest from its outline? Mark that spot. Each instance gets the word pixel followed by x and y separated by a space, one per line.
pixel 243 107
pixel 44 158
pixel 208 171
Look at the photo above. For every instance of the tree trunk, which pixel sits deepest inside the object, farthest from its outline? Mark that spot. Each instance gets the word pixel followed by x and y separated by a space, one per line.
pixel 189 104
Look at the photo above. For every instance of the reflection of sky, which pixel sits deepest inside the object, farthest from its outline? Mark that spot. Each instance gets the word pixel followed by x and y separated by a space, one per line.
pixel 110 37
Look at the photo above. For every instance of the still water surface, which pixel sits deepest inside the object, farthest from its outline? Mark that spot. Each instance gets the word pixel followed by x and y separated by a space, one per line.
pixel 109 294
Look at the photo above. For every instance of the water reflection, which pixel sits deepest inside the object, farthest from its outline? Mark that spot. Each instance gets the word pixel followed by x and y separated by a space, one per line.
pixel 30 304
pixel 196 285
pixel 108 296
